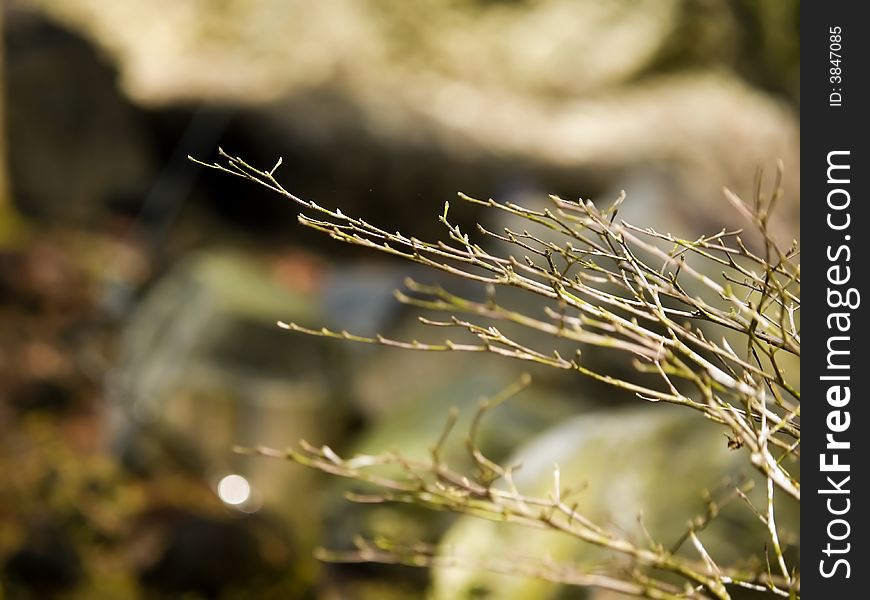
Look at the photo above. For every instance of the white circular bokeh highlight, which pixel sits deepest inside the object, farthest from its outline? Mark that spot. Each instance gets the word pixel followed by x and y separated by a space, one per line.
pixel 234 489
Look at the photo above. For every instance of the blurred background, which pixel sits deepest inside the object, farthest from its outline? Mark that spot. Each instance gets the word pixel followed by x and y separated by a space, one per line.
pixel 139 292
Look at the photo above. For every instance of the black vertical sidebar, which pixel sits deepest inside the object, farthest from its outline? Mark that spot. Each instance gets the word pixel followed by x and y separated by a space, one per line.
pixel 835 257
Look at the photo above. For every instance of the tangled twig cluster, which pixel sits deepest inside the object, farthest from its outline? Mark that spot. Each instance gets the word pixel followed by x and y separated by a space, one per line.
pixel 720 346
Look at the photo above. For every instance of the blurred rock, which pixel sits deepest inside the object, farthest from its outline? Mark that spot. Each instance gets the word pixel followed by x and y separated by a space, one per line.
pixel 204 367
pixel 248 50
pixel 655 461
pixel 407 399
pixel 549 48
pixel 672 143
pixel 563 93
pixel 412 404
